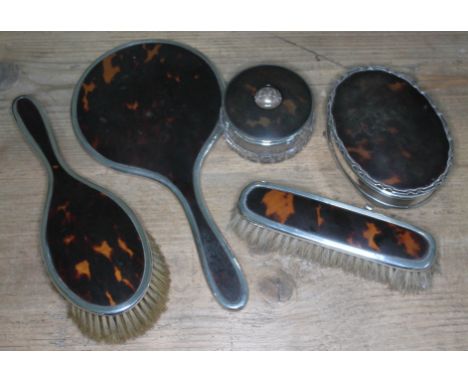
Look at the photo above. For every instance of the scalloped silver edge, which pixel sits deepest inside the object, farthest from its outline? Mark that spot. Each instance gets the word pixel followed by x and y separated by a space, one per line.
pixel 387 190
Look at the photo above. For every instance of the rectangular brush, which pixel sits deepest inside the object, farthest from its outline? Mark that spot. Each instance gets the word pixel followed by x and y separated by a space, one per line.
pixel 368 244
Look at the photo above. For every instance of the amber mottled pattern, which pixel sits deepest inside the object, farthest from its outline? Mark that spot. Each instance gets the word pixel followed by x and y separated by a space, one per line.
pixel 95 248
pixel 93 244
pixel 150 105
pixel 153 106
pixel 335 223
pixel 277 123
pixel 390 129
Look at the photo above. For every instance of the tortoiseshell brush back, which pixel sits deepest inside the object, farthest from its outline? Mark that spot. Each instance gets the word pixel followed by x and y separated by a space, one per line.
pixel 96 252
pixel 374 246
pixel 151 108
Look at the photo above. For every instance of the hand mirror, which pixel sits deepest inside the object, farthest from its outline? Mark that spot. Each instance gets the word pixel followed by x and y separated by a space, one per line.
pixel 151 108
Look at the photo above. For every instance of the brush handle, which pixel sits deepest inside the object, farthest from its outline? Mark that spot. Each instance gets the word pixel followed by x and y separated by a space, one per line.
pixel 27 115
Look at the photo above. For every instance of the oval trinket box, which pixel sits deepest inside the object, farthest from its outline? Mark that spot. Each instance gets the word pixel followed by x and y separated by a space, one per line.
pixel 267 113
pixel 388 137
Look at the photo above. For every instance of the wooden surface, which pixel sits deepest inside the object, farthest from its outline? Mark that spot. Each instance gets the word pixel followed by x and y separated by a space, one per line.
pixel 293 305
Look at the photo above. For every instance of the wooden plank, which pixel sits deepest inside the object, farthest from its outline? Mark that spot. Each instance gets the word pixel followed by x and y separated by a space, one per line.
pixel 293 305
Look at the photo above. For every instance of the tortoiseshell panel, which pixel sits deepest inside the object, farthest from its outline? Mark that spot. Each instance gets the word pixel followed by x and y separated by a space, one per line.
pixel 280 122
pixel 94 245
pixel 390 129
pixel 335 223
pixel 151 106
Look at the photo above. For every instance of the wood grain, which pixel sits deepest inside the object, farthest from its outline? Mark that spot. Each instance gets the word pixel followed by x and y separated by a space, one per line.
pixel 293 305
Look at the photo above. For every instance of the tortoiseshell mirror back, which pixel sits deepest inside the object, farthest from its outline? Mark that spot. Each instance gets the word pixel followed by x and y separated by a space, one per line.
pixel 151 108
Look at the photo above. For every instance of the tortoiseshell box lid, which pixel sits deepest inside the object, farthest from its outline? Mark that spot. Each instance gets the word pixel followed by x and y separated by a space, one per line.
pixel 267 113
pixel 388 137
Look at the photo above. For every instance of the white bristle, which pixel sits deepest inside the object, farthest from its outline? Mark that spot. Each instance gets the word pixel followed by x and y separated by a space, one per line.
pixel 265 239
pixel 138 319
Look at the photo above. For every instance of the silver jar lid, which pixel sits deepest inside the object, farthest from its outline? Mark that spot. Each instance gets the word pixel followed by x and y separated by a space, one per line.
pixel 267 113
pixel 388 137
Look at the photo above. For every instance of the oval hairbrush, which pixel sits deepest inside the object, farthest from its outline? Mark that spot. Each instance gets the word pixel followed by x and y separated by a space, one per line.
pixel 95 251
pixel 336 234
pixel 151 108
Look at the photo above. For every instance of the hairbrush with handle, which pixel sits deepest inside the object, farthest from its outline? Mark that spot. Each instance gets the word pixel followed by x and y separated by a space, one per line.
pixel 336 234
pixel 96 252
